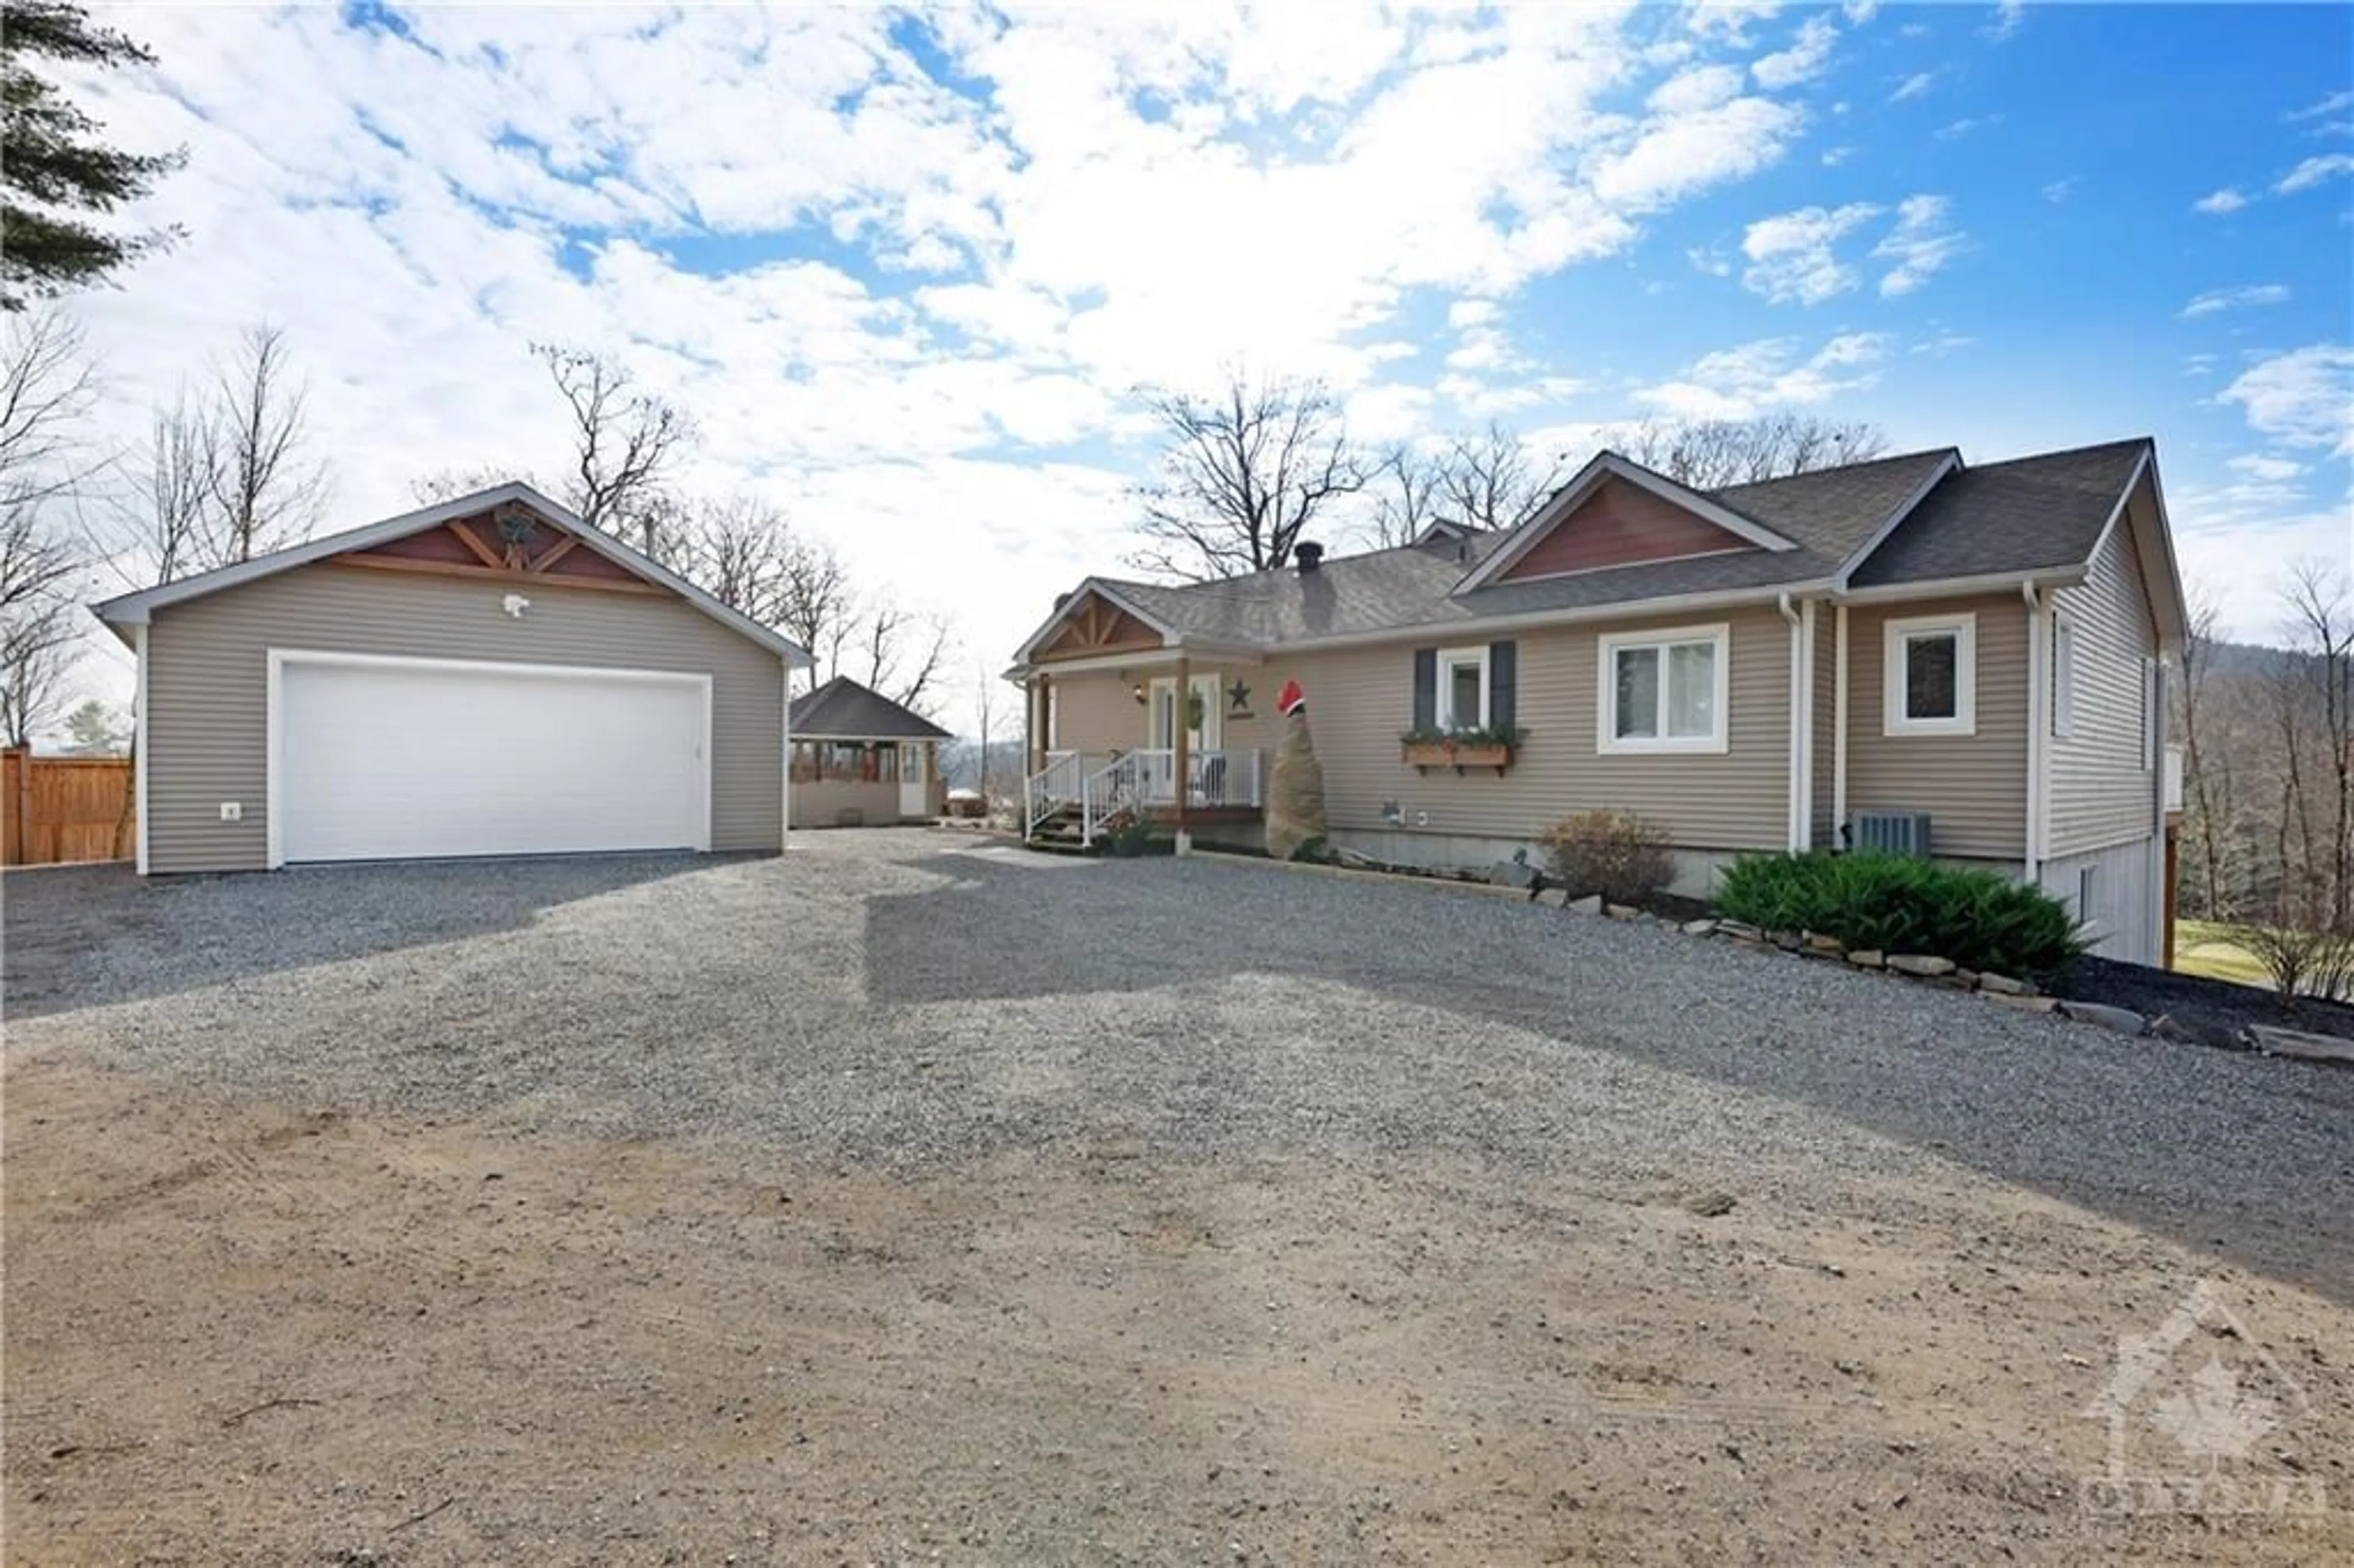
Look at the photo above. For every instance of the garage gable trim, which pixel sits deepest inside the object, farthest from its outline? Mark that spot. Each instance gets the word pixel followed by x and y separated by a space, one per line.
pixel 132 610
pixel 273 804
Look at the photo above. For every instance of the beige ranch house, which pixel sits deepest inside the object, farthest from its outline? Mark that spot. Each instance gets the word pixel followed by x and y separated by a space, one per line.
pixel 489 676
pixel 1910 653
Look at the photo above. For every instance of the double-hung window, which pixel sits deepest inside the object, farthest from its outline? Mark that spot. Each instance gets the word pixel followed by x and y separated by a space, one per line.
pixel 1664 691
pixel 1932 675
pixel 1463 688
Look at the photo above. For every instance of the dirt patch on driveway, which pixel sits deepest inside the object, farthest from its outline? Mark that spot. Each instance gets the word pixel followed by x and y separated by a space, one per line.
pixel 244 1331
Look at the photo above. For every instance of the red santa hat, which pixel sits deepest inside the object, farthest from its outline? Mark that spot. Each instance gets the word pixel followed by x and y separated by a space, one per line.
pixel 1290 700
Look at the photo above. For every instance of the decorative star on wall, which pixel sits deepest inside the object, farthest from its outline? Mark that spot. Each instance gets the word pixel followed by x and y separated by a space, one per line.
pixel 1238 697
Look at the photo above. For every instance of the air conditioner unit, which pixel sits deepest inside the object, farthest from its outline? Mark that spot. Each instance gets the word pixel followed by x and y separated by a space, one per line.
pixel 1890 832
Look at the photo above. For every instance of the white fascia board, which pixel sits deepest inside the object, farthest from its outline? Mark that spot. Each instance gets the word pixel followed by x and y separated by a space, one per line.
pixel 1062 612
pixel 137 609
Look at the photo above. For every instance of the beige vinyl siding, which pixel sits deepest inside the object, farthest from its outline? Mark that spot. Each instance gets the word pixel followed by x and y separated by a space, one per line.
pixel 2101 793
pixel 207 688
pixel 1973 787
pixel 1359 700
pixel 1826 716
pixel 1097 712
pixel 822 802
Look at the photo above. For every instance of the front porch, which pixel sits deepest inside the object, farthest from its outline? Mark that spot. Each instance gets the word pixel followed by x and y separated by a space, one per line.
pixel 1080 796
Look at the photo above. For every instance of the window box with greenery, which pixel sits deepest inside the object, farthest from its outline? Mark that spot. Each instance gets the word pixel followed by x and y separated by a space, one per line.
pixel 1461 749
pixel 1463 709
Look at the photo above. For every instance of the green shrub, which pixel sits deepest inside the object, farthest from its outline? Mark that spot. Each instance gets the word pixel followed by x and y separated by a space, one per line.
pixel 1900 905
pixel 1622 856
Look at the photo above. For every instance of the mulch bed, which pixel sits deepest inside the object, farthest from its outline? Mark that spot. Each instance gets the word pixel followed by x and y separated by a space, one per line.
pixel 2212 1011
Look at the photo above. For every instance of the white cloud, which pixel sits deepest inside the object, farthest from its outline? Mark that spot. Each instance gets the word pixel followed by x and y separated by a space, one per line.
pixel 2228 199
pixel 2268 469
pixel 1913 86
pixel 1710 260
pixel 1859 12
pixel 1791 257
pixel 1690 91
pixel 2304 398
pixel 2059 191
pixel 2313 172
pixel 2007 18
pixel 1920 245
pixel 1834 156
pixel 2334 103
pixel 1954 130
pixel 1803 60
pixel 2218 299
pixel 1742 382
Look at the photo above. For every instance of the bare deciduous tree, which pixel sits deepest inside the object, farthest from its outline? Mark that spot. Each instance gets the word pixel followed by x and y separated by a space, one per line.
pixel 449 484
pixel 740 552
pixel 46 387
pixel 816 604
pixel 1406 485
pixel 902 651
pixel 164 504
pixel 1242 474
pixel 267 493
pixel 1488 479
pixel 2213 886
pixel 1714 454
pixel 625 441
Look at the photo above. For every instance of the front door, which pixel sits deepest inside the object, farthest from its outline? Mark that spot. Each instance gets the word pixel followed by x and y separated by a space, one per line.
pixel 1199 736
pixel 915 785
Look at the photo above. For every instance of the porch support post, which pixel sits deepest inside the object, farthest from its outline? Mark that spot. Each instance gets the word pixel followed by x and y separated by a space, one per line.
pixel 1037 714
pixel 1183 724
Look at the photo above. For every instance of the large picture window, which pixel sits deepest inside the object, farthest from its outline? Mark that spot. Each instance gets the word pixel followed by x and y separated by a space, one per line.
pixel 1932 675
pixel 1665 691
pixel 846 762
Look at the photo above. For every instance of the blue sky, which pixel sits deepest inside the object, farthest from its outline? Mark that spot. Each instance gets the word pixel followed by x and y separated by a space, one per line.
pixel 910 266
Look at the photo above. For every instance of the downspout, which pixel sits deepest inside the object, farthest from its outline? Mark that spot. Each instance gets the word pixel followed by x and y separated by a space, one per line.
pixel 138 745
pixel 2039 704
pixel 1807 767
pixel 1795 830
pixel 1839 731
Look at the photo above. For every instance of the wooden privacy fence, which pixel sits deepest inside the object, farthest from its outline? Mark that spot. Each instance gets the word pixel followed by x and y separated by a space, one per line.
pixel 56 810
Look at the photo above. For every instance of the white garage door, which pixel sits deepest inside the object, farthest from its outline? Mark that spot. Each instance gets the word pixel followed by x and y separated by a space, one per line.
pixel 393 760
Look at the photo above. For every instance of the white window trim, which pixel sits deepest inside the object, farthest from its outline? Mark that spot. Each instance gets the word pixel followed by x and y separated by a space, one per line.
pixel 2064 637
pixel 1895 634
pixel 1610 742
pixel 2151 691
pixel 1449 661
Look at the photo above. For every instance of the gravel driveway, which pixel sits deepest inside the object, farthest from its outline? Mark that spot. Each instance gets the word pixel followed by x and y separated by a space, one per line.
pixel 901 997
pixel 908 1195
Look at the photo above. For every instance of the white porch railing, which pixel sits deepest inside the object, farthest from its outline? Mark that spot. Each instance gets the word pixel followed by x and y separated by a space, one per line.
pixel 1146 778
pixel 1062 782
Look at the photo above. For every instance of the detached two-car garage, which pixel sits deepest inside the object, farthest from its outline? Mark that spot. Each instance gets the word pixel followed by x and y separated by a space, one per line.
pixel 486 677
pixel 396 759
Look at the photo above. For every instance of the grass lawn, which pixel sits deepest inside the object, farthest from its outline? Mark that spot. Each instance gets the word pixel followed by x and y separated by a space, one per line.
pixel 2212 949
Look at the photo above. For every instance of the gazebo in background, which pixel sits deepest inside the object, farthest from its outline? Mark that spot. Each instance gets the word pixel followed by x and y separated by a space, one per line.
pixel 859 759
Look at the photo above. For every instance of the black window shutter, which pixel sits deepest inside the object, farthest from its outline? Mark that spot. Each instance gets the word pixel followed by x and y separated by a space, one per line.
pixel 1426 688
pixel 1503 658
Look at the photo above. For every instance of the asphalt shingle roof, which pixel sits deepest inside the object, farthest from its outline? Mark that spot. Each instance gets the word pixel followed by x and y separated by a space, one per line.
pixel 2023 514
pixel 841 709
